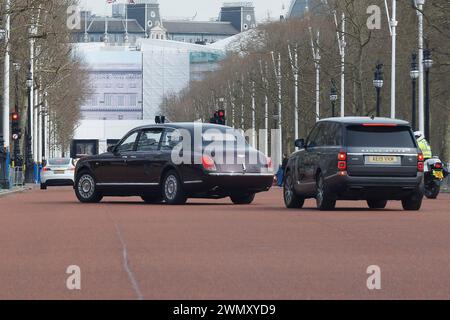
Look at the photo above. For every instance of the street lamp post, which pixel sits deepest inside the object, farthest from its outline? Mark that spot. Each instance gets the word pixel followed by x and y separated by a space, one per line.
pixel 16 156
pixel 414 74
pixel 378 84
pixel 419 8
pixel 29 153
pixel 4 163
pixel 333 97
pixel 427 63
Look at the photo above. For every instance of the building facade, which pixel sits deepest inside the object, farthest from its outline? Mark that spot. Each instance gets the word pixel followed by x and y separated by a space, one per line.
pixel 143 20
pixel 115 80
pixel 298 8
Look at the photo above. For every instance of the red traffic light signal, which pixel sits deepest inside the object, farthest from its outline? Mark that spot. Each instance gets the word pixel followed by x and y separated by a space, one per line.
pixel 15 116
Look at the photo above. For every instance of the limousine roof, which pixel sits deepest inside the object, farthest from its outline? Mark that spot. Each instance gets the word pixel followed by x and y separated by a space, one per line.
pixel 367 120
pixel 184 125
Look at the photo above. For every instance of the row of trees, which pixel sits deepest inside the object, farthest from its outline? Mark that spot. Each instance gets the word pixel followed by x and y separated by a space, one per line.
pixel 58 76
pixel 251 69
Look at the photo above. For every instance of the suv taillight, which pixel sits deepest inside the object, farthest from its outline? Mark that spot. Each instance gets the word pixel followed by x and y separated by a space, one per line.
pixel 342 161
pixel 420 164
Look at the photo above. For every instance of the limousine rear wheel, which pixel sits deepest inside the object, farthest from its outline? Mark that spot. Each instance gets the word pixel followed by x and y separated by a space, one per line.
pixel 86 190
pixel 291 199
pixel 243 199
pixel 172 189
pixel 152 199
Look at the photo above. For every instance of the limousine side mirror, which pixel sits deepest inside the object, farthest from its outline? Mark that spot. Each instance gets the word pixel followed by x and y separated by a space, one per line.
pixel 300 143
pixel 111 149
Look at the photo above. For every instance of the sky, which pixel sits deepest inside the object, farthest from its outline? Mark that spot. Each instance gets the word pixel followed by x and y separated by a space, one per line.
pixel 205 9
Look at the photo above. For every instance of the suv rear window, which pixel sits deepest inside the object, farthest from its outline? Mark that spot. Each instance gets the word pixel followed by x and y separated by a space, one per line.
pixel 381 137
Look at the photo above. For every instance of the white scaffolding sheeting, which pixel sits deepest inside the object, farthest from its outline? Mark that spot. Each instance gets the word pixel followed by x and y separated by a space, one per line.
pixel 166 71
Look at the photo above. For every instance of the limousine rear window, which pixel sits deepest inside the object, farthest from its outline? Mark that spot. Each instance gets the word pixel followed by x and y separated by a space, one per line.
pixel 380 136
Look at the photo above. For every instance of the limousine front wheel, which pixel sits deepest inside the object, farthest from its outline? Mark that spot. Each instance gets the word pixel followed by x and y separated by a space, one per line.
pixel 172 189
pixel 86 190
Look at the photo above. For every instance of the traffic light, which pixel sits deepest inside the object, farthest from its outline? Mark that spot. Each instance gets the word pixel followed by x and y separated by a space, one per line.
pixel 160 119
pixel 219 117
pixel 15 126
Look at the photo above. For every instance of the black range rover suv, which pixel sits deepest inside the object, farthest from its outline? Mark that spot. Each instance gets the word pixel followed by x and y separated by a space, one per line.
pixel 356 158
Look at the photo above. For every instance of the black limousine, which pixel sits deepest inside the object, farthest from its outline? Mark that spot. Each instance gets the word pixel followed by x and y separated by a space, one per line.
pixel 173 162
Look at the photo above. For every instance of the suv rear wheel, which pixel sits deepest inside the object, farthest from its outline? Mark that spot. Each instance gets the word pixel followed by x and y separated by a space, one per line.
pixel 291 199
pixel 413 202
pixel 86 190
pixel 324 199
pixel 243 199
pixel 377 204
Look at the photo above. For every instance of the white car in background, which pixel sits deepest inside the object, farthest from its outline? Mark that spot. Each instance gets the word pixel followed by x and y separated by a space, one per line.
pixel 58 172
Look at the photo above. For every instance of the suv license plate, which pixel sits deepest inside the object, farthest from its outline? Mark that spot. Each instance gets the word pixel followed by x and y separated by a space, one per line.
pixel 383 160
pixel 59 171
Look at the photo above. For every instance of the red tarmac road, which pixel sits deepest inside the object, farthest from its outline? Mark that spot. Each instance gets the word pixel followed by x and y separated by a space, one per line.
pixel 215 250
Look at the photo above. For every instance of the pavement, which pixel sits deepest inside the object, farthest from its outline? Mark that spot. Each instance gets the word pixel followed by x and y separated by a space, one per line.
pixel 5 192
pixel 211 249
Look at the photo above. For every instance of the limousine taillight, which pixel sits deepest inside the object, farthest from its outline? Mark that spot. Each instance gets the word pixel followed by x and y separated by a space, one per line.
pixel 208 163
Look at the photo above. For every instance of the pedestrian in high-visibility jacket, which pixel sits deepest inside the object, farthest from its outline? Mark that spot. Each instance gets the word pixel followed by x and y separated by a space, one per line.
pixel 423 145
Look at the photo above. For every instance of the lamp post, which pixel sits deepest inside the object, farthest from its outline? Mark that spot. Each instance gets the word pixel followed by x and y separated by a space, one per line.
pixel 427 63
pixel 333 97
pixel 4 163
pixel 16 156
pixel 5 146
pixel 29 174
pixel 419 9
pixel 414 74
pixel 378 84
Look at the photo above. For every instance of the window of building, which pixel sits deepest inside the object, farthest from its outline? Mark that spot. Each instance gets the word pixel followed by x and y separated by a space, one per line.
pixel 108 99
pixel 120 101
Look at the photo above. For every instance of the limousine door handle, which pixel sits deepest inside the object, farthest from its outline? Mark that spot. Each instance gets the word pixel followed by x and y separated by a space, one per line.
pixel 133 157
pixel 124 157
